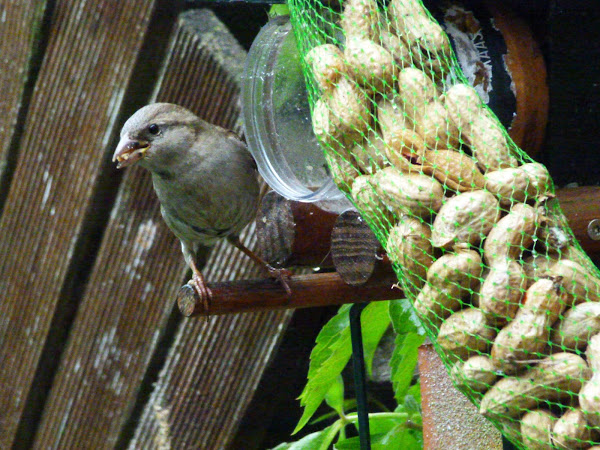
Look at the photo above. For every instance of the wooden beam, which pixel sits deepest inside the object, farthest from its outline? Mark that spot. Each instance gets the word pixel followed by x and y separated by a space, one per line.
pixel 294 233
pixel 581 205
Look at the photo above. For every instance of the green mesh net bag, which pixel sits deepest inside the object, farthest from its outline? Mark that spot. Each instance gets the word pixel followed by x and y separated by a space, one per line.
pixel 479 244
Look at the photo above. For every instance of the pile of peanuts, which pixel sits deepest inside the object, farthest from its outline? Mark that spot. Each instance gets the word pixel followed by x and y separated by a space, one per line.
pixel 468 221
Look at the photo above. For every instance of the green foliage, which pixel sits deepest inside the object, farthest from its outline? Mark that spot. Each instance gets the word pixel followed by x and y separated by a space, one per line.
pixel 279 10
pixel 399 429
pixel 333 351
pixel 410 335
pixel 335 395
pixel 314 441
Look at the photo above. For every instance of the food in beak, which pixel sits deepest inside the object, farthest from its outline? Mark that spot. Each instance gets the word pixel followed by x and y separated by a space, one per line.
pixel 129 151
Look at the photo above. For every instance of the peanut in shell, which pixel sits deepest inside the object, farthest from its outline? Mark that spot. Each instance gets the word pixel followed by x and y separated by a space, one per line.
pixel 397 48
pixel 501 292
pixel 512 234
pixel 409 246
pixel 342 170
pixel 455 170
pixel 451 279
pixel 369 203
pixel 465 333
pixel 488 143
pixel 571 430
pixel 536 429
pixel 579 283
pixel 465 218
pixel 476 374
pixel 556 377
pixel 590 392
pixel 369 154
pixel 577 326
pixel 391 116
pixel 526 337
pixel 463 104
pixel 412 194
pixel 537 265
pixel 416 91
pixel 438 131
pixel 372 65
pixel 341 115
pixel 361 19
pixel 530 181
pixel 327 64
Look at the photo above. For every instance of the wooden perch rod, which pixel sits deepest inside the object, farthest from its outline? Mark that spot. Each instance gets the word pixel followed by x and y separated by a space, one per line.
pixel 307 291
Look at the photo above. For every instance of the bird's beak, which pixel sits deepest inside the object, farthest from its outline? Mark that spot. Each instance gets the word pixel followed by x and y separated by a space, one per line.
pixel 129 151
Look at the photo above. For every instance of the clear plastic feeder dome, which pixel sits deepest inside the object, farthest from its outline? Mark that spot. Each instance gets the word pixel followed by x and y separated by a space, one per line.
pixel 277 118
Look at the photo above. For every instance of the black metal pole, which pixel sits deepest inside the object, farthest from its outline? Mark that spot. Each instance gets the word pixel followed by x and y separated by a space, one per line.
pixel 360 382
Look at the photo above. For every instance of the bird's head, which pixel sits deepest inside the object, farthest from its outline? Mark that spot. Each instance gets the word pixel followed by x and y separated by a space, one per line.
pixel 155 135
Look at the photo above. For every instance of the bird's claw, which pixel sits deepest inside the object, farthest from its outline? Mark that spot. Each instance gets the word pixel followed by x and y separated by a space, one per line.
pixel 282 275
pixel 204 293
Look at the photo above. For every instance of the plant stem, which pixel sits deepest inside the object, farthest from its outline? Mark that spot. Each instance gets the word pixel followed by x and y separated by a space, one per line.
pixel 353 417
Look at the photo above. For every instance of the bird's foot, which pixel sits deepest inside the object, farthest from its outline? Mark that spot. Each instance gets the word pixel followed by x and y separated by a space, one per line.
pixel 202 290
pixel 282 275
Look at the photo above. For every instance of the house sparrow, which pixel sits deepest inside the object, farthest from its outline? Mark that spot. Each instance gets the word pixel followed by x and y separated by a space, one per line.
pixel 204 176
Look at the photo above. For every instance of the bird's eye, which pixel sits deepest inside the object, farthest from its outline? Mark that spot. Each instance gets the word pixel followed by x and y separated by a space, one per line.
pixel 153 129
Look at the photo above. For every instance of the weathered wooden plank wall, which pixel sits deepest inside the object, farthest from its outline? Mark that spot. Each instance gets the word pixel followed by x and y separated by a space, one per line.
pixel 85 328
pixel 20 31
pixel 85 70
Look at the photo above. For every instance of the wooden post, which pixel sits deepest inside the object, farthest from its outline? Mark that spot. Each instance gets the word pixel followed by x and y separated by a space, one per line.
pixel 293 233
pixel 354 248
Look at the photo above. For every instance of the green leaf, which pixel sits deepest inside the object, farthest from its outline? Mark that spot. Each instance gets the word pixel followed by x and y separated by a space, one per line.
pixel 335 395
pixel 410 335
pixel 398 438
pixel 386 433
pixel 349 404
pixel 327 360
pixel 279 10
pixel 403 362
pixel 333 350
pixel 415 391
pixel 318 440
pixel 329 336
pixel 404 318
pixel 374 321
pixel 352 443
pixel 379 425
pixel 410 405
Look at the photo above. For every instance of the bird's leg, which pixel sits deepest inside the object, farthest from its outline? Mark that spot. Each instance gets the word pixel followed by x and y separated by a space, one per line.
pixel 282 275
pixel 199 284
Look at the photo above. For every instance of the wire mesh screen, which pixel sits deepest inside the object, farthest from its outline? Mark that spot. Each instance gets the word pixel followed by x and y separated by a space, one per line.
pixel 468 219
